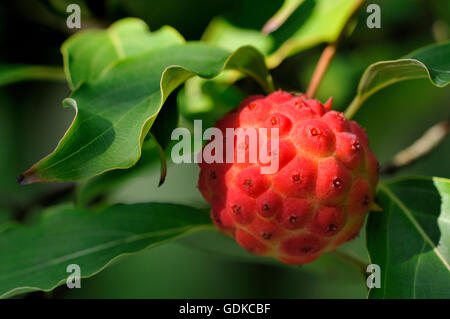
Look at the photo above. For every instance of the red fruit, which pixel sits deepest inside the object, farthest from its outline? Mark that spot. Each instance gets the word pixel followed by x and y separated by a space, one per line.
pixel 297 178
pixel 328 221
pixel 269 204
pixel 251 182
pixel 349 150
pixel 336 121
pixel 314 137
pixel 250 243
pixel 280 121
pixel 333 181
pixel 316 200
pixel 302 245
pixel 296 213
pixel 265 230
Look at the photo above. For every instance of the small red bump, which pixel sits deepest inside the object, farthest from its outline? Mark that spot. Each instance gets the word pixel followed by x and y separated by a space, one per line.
pixel 296 179
pixel 336 121
pixel 269 204
pixel 250 243
pixel 360 197
pixel 265 230
pixel 222 223
pixel 349 150
pixel 279 121
pixel 240 206
pixel 333 180
pixel 211 179
pixel 328 220
pixel 296 213
pixel 316 106
pixel 314 131
pixel 314 137
pixel 302 245
pixel 227 219
pixel 252 182
pixel 360 132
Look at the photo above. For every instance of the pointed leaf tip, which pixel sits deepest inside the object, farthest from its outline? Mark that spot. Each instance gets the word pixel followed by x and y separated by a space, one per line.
pixel 328 104
pixel 375 208
pixel 27 178
pixel 20 179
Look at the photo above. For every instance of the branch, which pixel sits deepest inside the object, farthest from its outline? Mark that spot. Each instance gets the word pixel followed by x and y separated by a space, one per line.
pixel 421 147
pixel 286 10
pixel 327 55
pixel 352 260
pixel 52 197
pixel 324 61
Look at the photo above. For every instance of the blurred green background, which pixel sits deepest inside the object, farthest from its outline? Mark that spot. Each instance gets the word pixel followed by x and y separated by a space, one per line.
pixel 208 265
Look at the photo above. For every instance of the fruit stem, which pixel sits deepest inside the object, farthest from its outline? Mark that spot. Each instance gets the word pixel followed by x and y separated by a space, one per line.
pixel 324 61
pixel 327 55
pixel 420 148
pixel 162 158
pixel 353 107
pixel 277 20
pixel 352 260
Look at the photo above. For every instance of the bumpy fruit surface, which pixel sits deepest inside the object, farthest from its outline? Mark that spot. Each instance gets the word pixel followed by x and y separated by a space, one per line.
pixel 318 198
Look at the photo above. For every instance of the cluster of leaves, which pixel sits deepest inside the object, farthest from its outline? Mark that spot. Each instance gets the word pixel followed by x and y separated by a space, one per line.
pixel 121 79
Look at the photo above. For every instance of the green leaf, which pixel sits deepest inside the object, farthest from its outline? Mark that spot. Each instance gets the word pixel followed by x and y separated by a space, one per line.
pixel 432 62
pixel 5 217
pixel 12 73
pixel 168 120
pixel 87 54
pixel 99 186
pixel 153 149
pixel 325 23
pixel 208 101
pixel 281 15
pixel 222 33
pixel 35 257
pixel 410 238
pixel 303 25
pixel 162 159
pixel 116 111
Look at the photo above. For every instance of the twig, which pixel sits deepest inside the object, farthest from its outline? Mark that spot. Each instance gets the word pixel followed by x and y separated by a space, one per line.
pixel 276 21
pixel 52 197
pixel 324 61
pixel 327 55
pixel 421 147
pixel 352 260
pixel 354 106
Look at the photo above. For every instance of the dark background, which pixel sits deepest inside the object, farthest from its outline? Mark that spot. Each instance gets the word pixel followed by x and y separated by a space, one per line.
pixel 32 121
